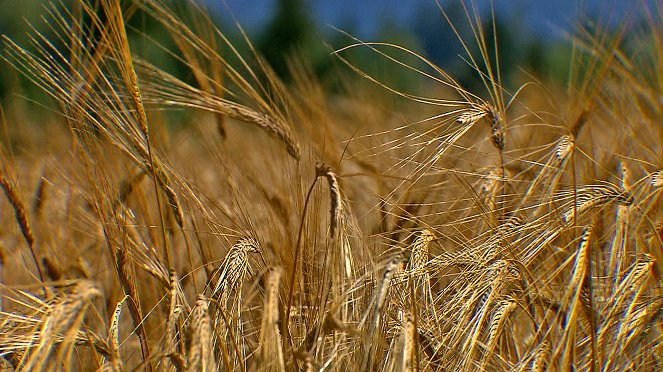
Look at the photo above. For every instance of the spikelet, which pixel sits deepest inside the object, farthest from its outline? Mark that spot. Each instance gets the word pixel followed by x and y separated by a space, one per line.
pixel 114 329
pixel 574 289
pixel 118 39
pixel 632 327
pixel 572 297
pixel 496 128
pixel 547 179
pixel 564 148
pixel 623 299
pixel 491 247
pixel 656 179
pixel 476 301
pixel 161 87
pixel 417 270
pixel 200 354
pixel 501 313
pixel 400 356
pixel 340 255
pixel 486 250
pixel 270 353
pixel 164 88
pixel 125 275
pixel 472 115
pixel 581 259
pixel 477 112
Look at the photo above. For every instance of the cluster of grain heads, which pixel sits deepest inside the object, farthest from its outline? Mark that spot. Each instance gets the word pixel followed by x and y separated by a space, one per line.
pixel 537 256
pixel 624 311
pixel 43 334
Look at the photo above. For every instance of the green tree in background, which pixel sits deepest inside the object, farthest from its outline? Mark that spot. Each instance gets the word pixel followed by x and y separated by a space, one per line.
pixel 290 31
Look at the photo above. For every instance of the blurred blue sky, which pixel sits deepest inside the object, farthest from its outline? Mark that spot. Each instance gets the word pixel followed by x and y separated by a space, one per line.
pixel 546 18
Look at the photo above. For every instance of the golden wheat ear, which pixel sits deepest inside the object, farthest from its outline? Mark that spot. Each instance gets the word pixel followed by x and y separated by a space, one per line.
pixel 270 352
pixel 226 292
pixel 267 95
pixel 21 219
pixel 200 353
pixel 233 269
pixel 60 327
pixel 497 326
pixel 372 320
pixel 164 89
pixel 177 309
pixel 115 362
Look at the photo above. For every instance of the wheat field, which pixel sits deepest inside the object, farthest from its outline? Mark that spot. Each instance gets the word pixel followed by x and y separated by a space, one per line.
pixel 282 227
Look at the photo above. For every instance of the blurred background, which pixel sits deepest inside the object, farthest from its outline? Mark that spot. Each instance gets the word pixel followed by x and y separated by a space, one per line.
pixel 533 35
